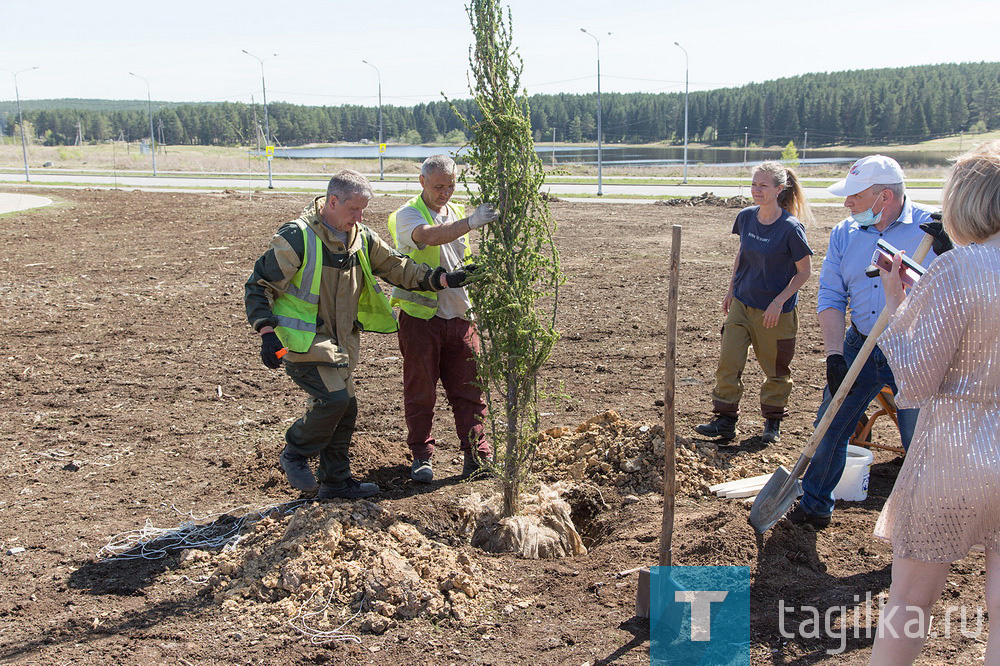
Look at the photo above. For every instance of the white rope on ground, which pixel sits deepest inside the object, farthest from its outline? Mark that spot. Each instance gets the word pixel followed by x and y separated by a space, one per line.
pixel 154 543
pixel 300 622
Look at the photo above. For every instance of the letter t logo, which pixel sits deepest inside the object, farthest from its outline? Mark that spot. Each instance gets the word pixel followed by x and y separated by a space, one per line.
pixel 701 610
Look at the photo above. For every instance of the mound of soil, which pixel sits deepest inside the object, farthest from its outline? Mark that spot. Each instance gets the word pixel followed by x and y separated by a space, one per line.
pixel 707 199
pixel 612 451
pixel 337 559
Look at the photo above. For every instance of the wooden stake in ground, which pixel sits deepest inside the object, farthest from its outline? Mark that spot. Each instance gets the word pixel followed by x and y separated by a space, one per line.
pixel 669 453
pixel 643 592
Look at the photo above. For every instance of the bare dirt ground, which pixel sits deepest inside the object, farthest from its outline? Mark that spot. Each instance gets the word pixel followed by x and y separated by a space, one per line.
pixel 133 392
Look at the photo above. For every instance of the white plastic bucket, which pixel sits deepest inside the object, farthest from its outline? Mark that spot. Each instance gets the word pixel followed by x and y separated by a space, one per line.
pixel 853 485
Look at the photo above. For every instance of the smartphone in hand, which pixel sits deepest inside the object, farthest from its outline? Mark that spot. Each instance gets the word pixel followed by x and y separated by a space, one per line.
pixel 909 272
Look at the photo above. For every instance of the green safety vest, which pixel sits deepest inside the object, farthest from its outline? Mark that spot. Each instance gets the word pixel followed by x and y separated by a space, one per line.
pixel 297 308
pixel 422 304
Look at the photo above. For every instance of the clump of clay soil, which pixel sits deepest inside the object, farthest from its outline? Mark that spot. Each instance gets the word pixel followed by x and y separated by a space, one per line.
pixel 332 561
pixel 612 451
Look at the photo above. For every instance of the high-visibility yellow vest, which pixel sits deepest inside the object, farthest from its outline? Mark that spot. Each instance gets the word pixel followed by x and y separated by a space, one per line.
pixel 422 304
pixel 297 308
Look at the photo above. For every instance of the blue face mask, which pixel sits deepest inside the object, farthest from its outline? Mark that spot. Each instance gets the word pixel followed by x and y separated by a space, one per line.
pixel 867 218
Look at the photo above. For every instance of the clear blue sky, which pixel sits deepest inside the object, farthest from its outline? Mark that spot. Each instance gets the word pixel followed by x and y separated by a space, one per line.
pixel 191 51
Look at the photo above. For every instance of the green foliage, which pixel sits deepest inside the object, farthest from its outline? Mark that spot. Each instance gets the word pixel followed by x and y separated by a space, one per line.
pixel 410 136
pixel 898 105
pixel 455 137
pixel 516 253
pixel 790 155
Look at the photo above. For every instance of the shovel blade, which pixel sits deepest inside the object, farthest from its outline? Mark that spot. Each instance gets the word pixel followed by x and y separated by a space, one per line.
pixel 642 594
pixel 663 587
pixel 774 500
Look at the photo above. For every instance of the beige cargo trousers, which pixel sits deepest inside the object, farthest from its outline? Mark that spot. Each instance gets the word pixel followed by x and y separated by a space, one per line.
pixel 773 347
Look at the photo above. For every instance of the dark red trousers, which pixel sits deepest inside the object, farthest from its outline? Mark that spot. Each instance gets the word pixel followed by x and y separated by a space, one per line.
pixel 440 349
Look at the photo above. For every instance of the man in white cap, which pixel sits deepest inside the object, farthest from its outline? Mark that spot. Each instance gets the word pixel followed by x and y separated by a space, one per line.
pixel 879 209
pixel 437 337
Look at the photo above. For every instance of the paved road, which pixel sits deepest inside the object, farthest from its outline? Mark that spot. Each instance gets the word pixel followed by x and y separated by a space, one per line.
pixel 10 203
pixel 318 183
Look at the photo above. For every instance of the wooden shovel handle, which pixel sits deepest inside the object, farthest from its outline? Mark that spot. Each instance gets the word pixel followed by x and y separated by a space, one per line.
pixel 859 361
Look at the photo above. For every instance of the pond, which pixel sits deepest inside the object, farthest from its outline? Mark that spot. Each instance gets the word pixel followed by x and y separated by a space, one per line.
pixel 620 155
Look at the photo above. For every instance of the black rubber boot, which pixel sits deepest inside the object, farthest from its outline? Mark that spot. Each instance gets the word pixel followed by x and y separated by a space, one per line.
pixel 721 427
pixel 772 430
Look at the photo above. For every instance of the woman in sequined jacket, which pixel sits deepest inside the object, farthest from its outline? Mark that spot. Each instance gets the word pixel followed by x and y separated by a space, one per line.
pixel 943 345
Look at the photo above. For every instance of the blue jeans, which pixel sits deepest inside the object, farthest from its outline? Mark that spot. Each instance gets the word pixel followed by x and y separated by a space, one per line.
pixel 828 462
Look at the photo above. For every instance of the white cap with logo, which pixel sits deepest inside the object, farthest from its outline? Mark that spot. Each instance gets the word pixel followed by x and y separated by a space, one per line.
pixel 868 171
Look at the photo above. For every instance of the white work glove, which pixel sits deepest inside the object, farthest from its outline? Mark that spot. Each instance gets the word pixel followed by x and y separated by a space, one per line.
pixel 485 213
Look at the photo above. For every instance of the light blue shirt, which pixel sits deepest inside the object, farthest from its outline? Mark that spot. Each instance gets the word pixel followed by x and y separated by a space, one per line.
pixel 842 280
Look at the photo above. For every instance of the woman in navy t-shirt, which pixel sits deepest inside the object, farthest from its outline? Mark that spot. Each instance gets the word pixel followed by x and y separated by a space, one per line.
pixel 772 263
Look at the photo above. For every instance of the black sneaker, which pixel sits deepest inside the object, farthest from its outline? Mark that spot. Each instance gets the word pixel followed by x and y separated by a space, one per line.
pixel 472 466
pixel 349 489
pixel 296 467
pixel 721 427
pixel 772 430
pixel 799 516
pixel 421 470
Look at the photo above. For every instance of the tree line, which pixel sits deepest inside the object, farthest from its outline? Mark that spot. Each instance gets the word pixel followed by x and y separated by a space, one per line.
pixel 898 105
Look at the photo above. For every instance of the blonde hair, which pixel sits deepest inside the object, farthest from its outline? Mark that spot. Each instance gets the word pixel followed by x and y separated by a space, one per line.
pixel 791 197
pixel 971 201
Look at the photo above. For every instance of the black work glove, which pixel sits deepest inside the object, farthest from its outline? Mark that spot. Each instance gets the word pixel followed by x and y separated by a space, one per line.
pixel 942 242
pixel 461 276
pixel 836 370
pixel 270 345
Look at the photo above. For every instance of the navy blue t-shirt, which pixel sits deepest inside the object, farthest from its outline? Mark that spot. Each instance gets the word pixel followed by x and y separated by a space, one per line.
pixel 768 253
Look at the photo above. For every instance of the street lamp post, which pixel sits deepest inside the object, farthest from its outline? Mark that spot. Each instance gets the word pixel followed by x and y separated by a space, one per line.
pixel 149 108
pixel 267 128
pixel 599 160
pixel 20 120
pixel 686 67
pixel 381 173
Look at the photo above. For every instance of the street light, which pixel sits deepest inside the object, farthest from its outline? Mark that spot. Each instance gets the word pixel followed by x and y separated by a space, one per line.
pixel 599 161
pixel 149 108
pixel 267 128
pixel 20 120
pixel 381 174
pixel 685 110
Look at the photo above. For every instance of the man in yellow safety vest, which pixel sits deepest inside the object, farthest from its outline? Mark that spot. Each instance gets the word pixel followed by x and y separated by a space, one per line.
pixel 436 335
pixel 311 294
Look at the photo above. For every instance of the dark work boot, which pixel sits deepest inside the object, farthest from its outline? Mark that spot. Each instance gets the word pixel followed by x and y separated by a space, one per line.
pixel 472 466
pixel 348 489
pixel 772 430
pixel 799 516
pixel 297 471
pixel 721 427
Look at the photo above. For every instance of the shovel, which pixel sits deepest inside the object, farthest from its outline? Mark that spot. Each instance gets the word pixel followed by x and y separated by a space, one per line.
pixel 776 497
